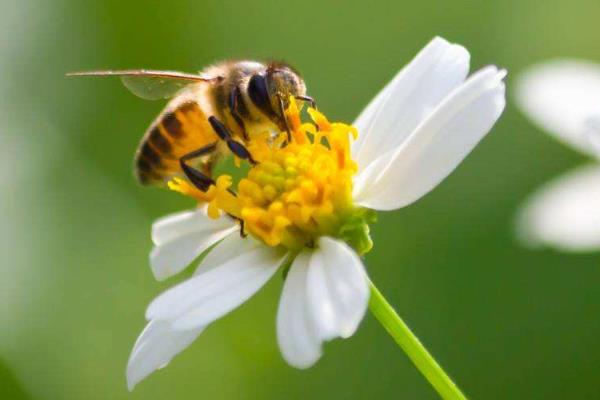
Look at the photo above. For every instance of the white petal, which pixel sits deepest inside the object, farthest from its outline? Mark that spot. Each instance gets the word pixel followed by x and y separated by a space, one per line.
pixel 592 133
pixel 208 296
pixel 559 96
pixel 180 238
pixel 413 93
pixel 565 213
pixel 338 291
pixel 229 248
pixel 325 296
pixel 437 145
pixel 156 346
pixel 296 335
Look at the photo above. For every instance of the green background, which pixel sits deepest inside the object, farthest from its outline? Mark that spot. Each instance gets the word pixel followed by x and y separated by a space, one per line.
pixel 506 322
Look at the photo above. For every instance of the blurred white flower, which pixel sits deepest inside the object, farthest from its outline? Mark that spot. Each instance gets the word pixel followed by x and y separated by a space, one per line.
pixel 563 98
pixel 412 135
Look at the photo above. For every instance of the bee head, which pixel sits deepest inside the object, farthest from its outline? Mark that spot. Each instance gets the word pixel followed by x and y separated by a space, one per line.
pixel 271 89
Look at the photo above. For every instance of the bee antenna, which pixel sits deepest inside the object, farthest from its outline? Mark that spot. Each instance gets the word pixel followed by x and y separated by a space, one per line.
pixel 312 101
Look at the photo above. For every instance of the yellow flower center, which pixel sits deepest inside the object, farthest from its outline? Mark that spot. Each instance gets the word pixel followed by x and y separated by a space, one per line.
pixel 297 191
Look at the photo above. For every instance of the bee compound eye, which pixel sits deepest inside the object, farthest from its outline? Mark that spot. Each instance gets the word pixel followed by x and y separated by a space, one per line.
pixel 259 93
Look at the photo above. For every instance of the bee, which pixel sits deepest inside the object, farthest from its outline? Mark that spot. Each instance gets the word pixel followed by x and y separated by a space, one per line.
pixel 212 114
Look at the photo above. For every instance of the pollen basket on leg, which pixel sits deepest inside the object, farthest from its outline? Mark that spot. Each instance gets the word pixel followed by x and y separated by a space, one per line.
pixel 298 190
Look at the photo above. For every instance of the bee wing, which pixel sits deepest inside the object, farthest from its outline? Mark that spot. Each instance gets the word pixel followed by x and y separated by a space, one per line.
pixel 152 85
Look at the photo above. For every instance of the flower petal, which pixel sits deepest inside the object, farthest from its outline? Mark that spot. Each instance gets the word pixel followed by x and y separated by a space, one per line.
pixel 296 335
pixel 208 296
pixel 437 145
pixel 559 96
pixel 156 346
pixel 404 102
pixel 565 213
pixel 229 248
pixel 325 296
pixel 592 133
pixel 182 237
pixel 338 292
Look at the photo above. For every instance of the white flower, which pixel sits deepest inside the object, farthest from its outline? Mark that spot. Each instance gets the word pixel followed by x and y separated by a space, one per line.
pixel 412 135
pixel 563 98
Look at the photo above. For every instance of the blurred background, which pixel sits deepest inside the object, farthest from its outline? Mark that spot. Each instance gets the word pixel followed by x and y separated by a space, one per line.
pixel 505 321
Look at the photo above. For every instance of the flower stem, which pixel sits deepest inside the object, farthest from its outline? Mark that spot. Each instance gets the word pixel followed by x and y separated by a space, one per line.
pixel 412 346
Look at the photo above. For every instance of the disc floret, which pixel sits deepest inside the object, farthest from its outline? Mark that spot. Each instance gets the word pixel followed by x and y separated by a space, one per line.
pixel 299 189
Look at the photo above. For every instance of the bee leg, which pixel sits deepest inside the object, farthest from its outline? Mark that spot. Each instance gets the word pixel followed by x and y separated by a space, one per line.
pixel 233 108
pixel 287 125
pixel 243 233
pixel 236 147
pixel 199 179
pixel 312 101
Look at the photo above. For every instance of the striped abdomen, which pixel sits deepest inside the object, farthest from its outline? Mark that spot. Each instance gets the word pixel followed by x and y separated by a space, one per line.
pixel 174 134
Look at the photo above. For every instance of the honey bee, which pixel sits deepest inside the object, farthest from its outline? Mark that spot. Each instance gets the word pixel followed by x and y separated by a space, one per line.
pixel 211 114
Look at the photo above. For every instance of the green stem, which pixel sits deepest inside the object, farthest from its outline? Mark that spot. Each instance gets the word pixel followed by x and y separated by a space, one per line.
pixel 403 336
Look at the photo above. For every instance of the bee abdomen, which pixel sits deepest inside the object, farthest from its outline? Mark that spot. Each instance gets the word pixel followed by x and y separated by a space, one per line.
pixel 149 158
pixel 172 136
